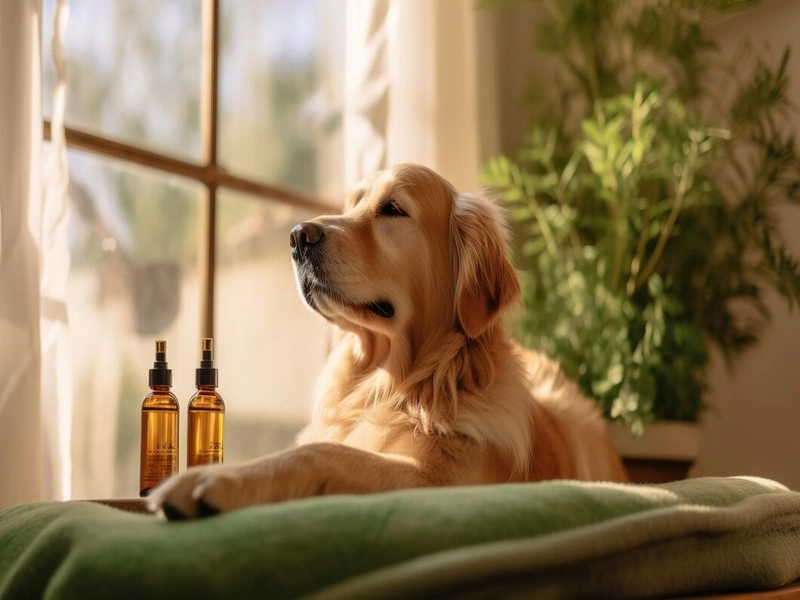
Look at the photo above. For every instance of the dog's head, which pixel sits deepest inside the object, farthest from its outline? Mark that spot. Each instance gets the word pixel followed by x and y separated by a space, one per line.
pixel 408 256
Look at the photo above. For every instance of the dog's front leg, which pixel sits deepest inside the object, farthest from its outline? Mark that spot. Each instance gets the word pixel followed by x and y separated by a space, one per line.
pixel 308 470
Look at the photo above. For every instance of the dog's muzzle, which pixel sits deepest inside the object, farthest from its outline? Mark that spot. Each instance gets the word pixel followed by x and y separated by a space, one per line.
pixel 305 240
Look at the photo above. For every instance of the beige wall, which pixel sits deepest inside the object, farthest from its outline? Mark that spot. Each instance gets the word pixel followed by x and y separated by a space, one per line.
pixel 753 427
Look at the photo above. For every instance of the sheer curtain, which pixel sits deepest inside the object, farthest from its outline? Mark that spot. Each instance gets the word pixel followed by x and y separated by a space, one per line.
pixel 412 88
pixel 34 262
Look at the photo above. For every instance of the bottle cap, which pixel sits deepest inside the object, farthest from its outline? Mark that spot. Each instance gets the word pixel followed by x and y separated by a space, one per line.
pixel 206 374
pixel 160 374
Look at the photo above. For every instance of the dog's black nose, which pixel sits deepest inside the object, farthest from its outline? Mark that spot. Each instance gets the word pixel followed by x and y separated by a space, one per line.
pixel 304 235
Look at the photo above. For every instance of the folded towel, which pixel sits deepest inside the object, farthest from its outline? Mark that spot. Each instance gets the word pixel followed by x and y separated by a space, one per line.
pixel 551 539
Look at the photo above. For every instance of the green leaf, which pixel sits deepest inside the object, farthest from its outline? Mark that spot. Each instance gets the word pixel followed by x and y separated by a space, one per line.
pixel 534 246
pixel 655 285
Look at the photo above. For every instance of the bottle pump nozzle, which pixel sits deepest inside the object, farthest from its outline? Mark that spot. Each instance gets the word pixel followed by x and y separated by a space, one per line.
pixel 160 374
pixel 206 374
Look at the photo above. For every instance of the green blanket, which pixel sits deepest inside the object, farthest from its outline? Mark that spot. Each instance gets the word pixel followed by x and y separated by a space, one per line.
pixel 553 539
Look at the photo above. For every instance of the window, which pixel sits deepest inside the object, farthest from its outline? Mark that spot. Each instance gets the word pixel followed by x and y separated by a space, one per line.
pixel 199 133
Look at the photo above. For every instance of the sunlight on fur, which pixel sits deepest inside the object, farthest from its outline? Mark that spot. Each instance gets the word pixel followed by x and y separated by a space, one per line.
pixel 423 385
pixel 444 378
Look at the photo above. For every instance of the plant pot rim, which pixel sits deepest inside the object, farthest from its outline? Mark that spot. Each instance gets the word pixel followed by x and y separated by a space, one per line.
pixel 662 440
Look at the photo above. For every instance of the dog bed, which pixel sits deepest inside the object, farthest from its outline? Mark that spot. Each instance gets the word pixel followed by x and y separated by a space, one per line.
pixel 551 540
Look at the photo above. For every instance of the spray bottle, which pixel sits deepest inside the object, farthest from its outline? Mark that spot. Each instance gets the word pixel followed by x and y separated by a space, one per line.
pixel 160 415
pixel 206 430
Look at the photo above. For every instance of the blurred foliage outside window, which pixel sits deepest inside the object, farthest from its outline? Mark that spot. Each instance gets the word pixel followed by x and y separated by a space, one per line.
pixel 134 76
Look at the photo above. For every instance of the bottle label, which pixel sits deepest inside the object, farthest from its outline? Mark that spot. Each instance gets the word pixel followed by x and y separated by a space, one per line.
pixel 159 447
pixel 205 433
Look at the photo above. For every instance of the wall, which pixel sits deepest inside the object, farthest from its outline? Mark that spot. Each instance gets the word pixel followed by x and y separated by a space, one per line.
pixel 752 425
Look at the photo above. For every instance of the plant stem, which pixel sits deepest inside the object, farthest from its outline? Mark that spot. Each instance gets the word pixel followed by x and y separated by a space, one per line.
pixel 666 231
pixel 544 226
pixel 641 247
pixel 574 238
pixel 547 232
pixel 616 219
pixel 618 254
pixel 591 72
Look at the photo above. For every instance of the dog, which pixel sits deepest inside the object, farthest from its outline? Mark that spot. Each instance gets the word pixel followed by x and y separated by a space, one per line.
pixel 423 386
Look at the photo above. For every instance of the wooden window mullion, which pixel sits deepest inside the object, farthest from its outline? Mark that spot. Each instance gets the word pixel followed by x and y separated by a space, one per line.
pixel 209 130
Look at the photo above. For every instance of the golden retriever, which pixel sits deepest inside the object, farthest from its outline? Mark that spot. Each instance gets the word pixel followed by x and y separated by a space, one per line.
pixel 424 386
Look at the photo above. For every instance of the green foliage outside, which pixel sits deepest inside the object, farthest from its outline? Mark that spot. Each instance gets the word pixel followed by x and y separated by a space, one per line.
pixel 140 84
pixel 642 202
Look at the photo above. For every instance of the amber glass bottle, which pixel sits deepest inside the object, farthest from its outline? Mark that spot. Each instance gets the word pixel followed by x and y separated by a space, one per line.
pixel 158 454
pixel 206 430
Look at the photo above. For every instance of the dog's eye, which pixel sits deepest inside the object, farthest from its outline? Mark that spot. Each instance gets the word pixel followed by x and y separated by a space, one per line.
pixel 390 208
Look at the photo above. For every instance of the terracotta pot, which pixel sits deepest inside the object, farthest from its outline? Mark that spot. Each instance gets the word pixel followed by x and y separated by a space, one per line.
pixel 665 452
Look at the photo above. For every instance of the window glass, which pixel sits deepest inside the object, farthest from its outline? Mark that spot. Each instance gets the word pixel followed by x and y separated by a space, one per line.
pixel 134 75
pixel 270 347
pixel 281 90
pixel 134 245
pixel 133 71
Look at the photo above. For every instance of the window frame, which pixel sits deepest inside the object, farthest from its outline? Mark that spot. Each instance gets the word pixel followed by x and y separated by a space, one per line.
pixel 208 172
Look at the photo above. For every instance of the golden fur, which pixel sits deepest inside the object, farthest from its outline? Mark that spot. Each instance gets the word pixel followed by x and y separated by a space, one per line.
pixel 423 385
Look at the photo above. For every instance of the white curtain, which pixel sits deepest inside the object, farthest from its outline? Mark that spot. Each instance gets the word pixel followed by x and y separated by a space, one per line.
pixel 34 383
pixel 412 88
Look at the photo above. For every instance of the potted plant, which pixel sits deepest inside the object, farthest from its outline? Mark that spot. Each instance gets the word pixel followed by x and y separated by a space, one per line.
pixel 641 206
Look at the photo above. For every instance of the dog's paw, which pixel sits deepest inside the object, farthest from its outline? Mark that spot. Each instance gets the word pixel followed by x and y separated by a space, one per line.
pixel 200 492
pixel 208 490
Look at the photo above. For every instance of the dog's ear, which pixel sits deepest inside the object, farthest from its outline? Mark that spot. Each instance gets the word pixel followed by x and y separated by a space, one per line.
pixel 486 283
